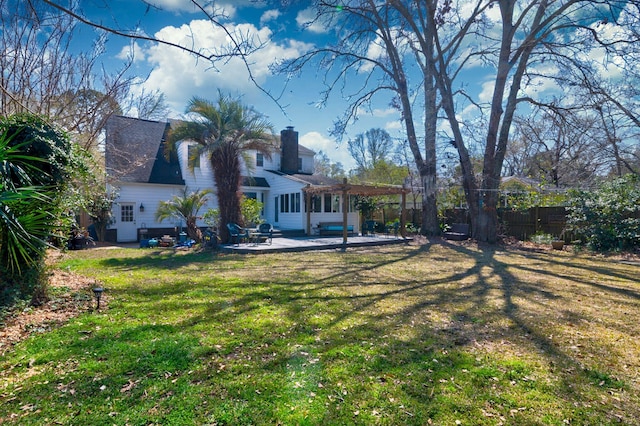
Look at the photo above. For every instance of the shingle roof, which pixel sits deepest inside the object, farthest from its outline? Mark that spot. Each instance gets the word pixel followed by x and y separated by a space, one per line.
pixel 307 179
pixel 301 148
pixel 134 152
pixel 258 182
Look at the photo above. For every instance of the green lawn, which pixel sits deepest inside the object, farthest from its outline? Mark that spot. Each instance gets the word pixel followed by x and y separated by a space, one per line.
pixel 435 334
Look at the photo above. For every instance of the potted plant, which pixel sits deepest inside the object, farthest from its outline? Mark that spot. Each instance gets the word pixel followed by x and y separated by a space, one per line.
pixel 558 242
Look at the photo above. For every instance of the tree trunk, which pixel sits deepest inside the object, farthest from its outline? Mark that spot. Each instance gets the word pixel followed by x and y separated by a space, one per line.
pixel 226 166
pixel 193 231
pixel 430 224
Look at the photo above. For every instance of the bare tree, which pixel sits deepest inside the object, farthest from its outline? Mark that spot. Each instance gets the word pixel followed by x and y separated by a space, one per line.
pixel 558 147
pixel 375 47
pixel 322 165
pixel 370 147
pixel 513 42
pixel 42 73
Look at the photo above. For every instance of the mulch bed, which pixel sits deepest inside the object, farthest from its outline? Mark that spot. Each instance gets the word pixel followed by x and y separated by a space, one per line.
pixel 72 295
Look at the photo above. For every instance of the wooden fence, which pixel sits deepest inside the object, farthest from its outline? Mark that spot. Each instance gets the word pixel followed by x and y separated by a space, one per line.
pixel 522 224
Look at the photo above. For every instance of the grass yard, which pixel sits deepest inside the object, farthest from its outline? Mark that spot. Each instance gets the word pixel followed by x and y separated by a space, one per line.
pixel 443 334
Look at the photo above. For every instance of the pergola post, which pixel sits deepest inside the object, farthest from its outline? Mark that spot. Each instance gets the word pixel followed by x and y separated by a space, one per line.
pixel 403 209
pixel 345 211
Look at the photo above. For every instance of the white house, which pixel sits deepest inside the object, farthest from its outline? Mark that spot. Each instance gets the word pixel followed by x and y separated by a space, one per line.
pixel 143 176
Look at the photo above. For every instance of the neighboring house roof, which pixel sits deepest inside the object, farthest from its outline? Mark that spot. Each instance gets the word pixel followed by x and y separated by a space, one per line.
pixel 135 152
pixel 304 150
pixel 508 180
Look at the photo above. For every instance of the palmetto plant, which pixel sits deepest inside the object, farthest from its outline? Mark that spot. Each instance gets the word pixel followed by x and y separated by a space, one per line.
pixel 185 207
pixel 37 165
pixel 23 229
pixel 225 131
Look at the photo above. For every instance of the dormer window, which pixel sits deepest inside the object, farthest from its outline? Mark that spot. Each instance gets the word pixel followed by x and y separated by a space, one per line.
pixel 259 159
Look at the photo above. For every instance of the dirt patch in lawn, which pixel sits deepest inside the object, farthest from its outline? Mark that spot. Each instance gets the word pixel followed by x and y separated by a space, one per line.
pixel 70 295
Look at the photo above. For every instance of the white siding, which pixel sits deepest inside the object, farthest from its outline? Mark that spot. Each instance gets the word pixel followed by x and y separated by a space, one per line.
pixel 201 178
pixel 307 163
pixel 280 185
pixel 147 195
pixel 198 178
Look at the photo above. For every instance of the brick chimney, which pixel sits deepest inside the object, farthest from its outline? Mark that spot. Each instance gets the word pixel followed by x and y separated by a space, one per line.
pixel 289 159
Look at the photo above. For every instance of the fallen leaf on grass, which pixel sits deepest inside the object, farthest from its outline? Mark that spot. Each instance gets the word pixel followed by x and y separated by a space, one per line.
pixel 130 385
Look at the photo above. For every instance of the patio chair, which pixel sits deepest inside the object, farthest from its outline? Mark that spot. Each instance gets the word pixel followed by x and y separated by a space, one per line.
pixel 237 233
pixel 265 230
pixel 393 228
pixel 369 227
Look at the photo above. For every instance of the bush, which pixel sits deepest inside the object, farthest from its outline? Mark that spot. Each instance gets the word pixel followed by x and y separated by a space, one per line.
pixel 608 218
pixel 39 163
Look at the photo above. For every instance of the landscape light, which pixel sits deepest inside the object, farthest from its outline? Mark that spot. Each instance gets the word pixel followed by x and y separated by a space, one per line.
pixel 97 292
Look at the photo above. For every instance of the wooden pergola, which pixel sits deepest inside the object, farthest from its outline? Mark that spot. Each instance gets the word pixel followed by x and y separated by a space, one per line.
pixel 347 189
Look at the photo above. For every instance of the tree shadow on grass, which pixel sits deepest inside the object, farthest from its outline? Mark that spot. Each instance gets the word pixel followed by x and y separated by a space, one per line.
pixel 397 348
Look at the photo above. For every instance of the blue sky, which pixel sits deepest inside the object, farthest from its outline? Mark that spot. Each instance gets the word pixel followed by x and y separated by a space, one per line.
pixel 180 76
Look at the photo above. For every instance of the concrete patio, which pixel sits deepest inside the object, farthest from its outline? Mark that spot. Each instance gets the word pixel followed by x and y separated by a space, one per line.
pixel 297 244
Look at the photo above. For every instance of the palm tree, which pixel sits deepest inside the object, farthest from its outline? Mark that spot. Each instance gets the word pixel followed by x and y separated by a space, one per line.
pixel 225 132
pixel 185 207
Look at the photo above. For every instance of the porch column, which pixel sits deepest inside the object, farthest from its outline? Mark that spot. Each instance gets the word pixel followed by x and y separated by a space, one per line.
pixel 307 197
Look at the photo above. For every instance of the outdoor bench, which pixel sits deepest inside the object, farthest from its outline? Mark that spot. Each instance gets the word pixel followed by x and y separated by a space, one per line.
pixel 458 232
pixel 333 228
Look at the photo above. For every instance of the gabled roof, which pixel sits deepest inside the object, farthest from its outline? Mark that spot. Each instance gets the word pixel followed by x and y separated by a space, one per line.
pixel 302 150
pixel 134 152
pixel 523 180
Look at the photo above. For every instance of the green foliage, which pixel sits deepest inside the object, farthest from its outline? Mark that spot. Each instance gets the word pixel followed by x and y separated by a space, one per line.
pixel 402 335
pixel 38 163
pixel 608 218
pixel 212 218
pixel 225 131
pixel 382 171
pixel 185 207
pixel 250 209
pixel 527 199
pixel 366 205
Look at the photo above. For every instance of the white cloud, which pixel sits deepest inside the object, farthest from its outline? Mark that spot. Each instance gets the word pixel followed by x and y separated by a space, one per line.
pixel 269 15
pixel 318 142
pixel 180 76
pixel 393 126
pixel 307 19
pixel 336 153
pixel 486 94
pixel 384 112
pixel 133 51
pixel 177 6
